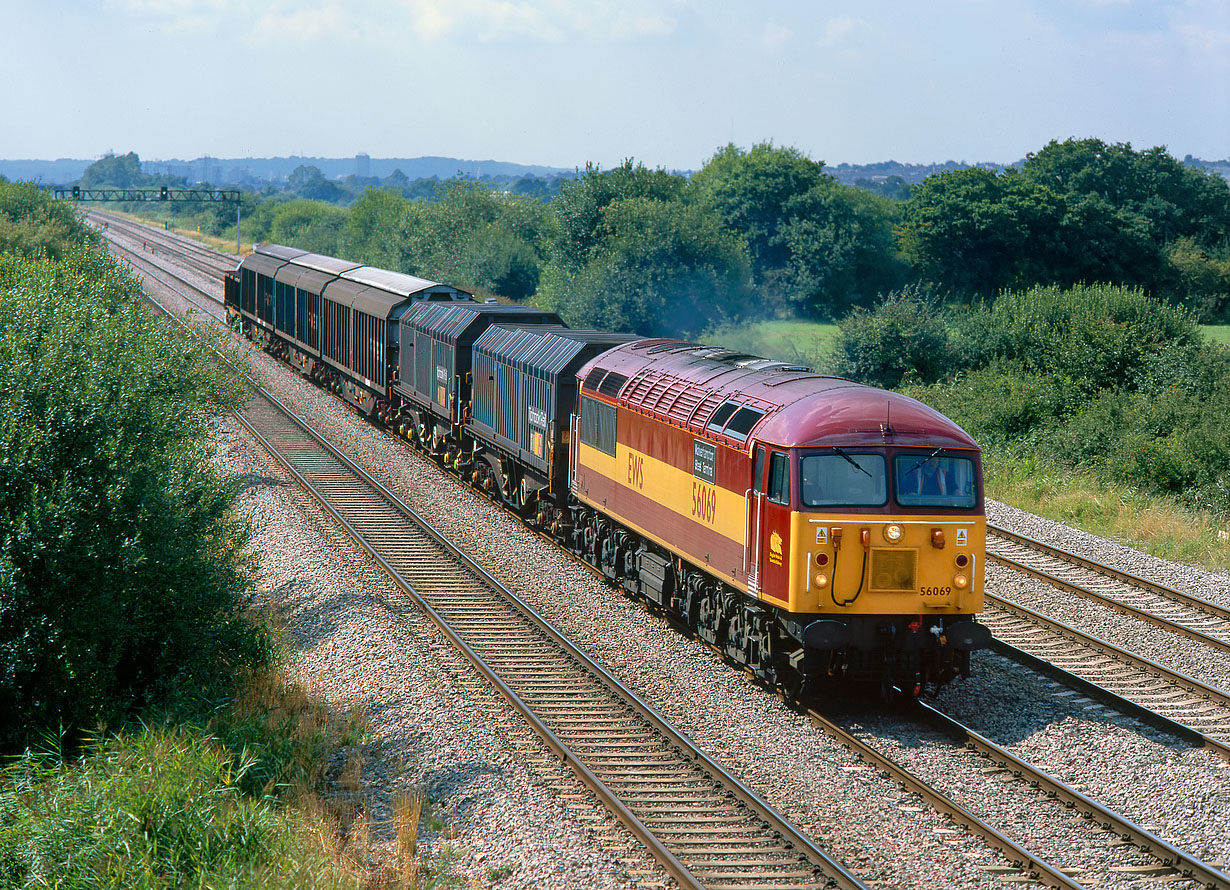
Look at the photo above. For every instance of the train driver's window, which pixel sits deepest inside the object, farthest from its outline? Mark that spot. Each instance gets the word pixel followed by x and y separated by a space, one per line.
pixel 779 478
pixel 758 472
pixel 844 478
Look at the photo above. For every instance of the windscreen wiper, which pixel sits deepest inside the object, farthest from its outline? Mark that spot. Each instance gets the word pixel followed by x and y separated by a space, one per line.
pixel 920 463
pixel 853 462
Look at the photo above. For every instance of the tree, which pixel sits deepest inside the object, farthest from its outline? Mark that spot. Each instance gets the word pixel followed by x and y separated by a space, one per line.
pixel 480 237
pixel 1176 200
pixel 375 232
pixel 656 267
pixel 1126 210
pixel 307 181
pixel 1077 211
pixel 814 243
pixel 30 223
pixel 472 236
pixel 118 171
pixel 309 225
pixel 578 208
pixel 750 191
pixel 977 231
pixel 841 250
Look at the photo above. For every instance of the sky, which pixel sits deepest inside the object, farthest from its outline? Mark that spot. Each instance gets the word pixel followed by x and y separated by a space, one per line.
pixel 566 82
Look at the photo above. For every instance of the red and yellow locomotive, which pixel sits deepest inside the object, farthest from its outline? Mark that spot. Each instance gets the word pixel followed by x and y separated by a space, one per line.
pixel 808 526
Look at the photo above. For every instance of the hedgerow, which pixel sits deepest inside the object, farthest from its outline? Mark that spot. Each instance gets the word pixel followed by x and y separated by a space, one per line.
pixel 1100 377
pixel 122 566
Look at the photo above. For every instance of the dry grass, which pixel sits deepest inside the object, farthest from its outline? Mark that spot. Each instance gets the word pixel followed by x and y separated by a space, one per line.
pixel 315 760
pixel 407 813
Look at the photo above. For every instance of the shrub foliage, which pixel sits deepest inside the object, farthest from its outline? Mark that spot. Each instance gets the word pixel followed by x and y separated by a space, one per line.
pixel 122 567
pixel 1101 377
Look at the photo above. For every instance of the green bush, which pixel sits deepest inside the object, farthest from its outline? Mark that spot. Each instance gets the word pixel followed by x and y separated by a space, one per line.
pixel 903 338
pixel 161 808
pixel 999 404
pixel 316 226
pixel 32 223
pixel 1096 336
pixel 122 566
pixel 1101 377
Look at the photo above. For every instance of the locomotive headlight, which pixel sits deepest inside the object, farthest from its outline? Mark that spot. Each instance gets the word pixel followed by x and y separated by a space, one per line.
pixel 960 582
pixel 892 533
pixel 822 581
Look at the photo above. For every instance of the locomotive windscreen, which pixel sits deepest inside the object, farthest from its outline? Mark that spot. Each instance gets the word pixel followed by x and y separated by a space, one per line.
pixel 840 477
pixel 935 481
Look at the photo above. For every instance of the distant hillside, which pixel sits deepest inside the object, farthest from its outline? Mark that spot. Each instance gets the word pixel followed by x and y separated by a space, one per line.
pixel 231 171
pixel 228 171
pixel 911 174
pixel 55 172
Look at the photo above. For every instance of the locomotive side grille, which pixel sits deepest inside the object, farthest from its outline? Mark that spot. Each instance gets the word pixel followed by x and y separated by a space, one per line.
pixel 705 410
pixel 641 384
pixel 894 569
pixel 684 404
pixel 662 386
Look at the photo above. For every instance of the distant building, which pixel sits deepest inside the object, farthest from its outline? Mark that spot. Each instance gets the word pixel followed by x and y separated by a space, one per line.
pixel 362 165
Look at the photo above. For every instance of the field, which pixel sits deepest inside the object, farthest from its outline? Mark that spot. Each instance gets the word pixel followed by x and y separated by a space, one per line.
pixel 807 342
pixel 1218 333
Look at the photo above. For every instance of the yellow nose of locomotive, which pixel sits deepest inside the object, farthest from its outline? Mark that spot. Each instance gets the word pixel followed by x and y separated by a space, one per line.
pixel 928 564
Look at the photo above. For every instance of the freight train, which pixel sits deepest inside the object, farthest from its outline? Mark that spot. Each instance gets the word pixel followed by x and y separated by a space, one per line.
pixel 814 530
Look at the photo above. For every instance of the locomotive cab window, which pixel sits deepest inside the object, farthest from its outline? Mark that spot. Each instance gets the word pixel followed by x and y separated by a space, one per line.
pixel 779 478
pixel 743 421
pixel 935 480
pixel 838 477
pixel 721 415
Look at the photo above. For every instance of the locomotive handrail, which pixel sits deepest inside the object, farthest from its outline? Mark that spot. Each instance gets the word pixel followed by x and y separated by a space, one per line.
pixel 747 527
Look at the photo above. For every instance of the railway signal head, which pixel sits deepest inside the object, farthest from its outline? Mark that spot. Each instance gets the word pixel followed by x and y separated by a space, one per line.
pixel 162 193
pixel 76 191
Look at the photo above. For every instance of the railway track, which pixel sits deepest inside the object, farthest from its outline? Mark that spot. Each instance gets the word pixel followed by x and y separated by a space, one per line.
pixel 1175 862
pixel 1190 707
pixel 211 304
pixel 707 828
pixel 1168 861
pixel 1174 610
pixel 1185 704
pixel 665 791
pixel 198 257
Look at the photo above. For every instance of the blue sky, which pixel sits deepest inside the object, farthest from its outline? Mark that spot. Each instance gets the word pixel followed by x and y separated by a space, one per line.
pixel 563 82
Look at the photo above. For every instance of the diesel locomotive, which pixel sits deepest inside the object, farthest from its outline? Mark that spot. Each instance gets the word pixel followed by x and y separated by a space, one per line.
pixel 812 529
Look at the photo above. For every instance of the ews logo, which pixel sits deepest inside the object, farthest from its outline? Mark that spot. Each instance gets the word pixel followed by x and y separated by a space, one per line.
pixel 636 471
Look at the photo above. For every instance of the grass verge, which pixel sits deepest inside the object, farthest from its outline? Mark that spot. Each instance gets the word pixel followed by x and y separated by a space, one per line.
pixel 245 799
pixel 1218 333
pixel 1150 523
